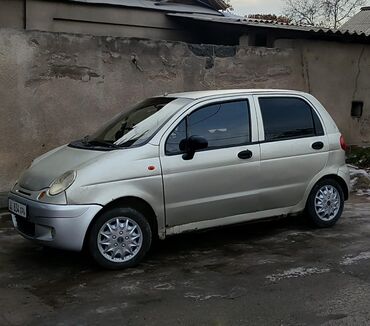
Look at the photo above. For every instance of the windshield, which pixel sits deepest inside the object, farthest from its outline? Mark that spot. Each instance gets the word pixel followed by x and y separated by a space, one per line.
pixel 137 126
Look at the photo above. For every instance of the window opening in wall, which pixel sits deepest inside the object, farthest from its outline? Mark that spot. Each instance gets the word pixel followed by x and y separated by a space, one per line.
pixel 261 39
pixel 357 109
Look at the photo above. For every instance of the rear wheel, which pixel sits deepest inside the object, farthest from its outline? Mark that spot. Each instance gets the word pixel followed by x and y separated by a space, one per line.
pixel 325 203
pixel 120 238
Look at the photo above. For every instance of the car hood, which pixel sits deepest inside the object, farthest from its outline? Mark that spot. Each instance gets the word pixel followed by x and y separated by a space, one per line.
pixel 46 168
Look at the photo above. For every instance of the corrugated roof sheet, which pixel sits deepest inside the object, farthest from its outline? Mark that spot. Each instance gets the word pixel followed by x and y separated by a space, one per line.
pixel 267 24
pixel 210 7
pixel 360 22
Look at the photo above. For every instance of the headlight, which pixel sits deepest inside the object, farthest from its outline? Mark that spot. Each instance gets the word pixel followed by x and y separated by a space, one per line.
pixel 62 183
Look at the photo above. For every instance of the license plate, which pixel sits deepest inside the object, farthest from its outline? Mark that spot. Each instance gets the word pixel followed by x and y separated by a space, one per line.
pixel 17 208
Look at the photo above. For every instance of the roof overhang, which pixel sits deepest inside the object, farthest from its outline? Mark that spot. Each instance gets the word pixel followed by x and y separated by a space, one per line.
pixel 215 4
pixel 359 22
pixel 210 7
pixel 246 22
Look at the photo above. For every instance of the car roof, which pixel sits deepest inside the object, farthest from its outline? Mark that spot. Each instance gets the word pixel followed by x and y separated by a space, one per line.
pixel 195 95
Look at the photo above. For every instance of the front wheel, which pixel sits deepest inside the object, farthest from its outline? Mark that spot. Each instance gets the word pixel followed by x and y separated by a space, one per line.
pixel 120 238
pixel 325 203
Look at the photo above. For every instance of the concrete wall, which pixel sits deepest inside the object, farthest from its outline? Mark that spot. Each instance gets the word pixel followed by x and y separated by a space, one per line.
pixel 12 13
pixel 58 87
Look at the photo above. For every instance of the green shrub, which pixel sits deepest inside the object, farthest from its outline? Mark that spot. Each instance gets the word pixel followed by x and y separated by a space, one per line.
pixel 359 156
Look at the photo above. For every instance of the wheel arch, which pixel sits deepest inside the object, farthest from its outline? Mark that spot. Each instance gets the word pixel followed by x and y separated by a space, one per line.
pixel 329 174
pixel 338 179
pixel 133 202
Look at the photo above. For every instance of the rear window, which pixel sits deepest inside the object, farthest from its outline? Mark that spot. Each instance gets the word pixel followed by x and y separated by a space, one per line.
pixel 287 118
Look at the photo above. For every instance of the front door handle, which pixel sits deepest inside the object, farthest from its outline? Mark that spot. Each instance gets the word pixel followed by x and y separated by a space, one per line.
pixel 318 145
pixel 245 155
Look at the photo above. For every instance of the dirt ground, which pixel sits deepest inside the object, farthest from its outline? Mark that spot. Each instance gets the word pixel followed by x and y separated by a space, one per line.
pixel 279 272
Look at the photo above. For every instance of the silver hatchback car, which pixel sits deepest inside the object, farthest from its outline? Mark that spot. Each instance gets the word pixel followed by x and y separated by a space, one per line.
pixel 184 162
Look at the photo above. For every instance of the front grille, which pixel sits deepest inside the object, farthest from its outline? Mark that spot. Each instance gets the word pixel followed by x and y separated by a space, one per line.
pixel 26 227
pixel 24 193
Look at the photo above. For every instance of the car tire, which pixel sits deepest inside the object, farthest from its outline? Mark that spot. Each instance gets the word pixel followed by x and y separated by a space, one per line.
pixel 120 238
pixel 325 203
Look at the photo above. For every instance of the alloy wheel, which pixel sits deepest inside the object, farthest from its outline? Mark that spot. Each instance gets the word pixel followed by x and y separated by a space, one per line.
pixel 327 203
pixel 120 239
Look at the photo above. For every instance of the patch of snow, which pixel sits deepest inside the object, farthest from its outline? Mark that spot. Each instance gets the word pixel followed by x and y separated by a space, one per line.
pixel 235 292
pixel 353 260
pixel 103 310
pixel 355 171
pixel 265 261
pixel 130 273
pixel 132 288
pixel 353 181
pixel 297 272
pixel 360 179
pixel 361 192
pixel 111 309
pixel 164 286
pixel 201 297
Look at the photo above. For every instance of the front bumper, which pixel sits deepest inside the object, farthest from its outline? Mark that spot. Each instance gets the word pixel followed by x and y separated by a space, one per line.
pixel 59 226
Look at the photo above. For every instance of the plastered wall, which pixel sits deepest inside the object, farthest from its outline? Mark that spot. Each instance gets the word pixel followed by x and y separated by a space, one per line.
pixel 56 87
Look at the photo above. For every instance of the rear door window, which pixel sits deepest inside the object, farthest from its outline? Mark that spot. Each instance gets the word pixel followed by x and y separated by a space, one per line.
pixel 288 118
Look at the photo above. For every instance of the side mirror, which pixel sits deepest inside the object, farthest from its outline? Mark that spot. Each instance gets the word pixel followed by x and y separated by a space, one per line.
pixel 191 145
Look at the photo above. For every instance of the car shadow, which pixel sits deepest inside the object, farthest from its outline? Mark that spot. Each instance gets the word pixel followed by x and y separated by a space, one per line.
pixel 240 233
pixel 28 256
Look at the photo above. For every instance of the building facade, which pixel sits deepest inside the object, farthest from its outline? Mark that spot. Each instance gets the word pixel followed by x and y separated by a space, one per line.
pixel 60 82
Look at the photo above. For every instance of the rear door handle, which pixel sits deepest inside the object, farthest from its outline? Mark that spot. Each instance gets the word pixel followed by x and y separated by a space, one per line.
pixel 245 155
pixel 318 145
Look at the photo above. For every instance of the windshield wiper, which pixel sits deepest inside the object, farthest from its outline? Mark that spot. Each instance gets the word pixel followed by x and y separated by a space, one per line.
pixel 85 140
pixel 129 142
pixel 95 142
